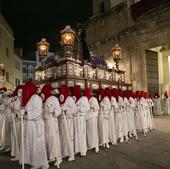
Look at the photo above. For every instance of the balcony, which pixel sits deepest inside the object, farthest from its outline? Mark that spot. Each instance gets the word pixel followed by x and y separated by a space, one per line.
pixel 143 6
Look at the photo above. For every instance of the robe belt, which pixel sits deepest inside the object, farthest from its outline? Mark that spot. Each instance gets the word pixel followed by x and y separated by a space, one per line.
pixel 35 119
pixel 80 114
pixel 105 115
pixel 38 125
pixel 68 116
pixel 48 115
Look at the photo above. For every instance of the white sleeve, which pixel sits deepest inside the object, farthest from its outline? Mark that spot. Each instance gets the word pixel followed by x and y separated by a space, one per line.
pixel 56 106
pixel 70 106
pixel 84 105
pixel 34 107
pixel 94 105
pixel 107 104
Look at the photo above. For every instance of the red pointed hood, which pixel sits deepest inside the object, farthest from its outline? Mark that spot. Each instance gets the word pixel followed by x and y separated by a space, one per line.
pixel 115 93
pixel 126 94
pixel 145 95
pixel 166 94
pixel 3 89
pixel 108 93
pixel 101 94
pixel 120 92
pixel 77 92
pixel 46 90
pixel 130 93
pixel 88 93
pixel 64 93
pixel 138 94
pixel 15 93
pixel 142 94
pixel 156 95
pixel 134 94
pixel 29 89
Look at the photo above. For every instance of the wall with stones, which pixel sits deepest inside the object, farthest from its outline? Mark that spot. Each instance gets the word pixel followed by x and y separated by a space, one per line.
pixel 147 31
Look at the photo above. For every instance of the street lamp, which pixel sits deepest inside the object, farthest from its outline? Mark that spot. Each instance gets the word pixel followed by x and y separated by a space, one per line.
pixel 116 55
pixel 42 47
pixel 68 37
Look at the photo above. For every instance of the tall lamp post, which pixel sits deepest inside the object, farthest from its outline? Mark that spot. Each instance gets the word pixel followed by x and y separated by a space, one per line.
pixel 68 37
pixel 116 55
pixel 42 47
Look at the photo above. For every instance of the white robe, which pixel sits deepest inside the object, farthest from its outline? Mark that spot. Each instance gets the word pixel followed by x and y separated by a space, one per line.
pixel 132 111
pixel 51 112
pixel 112 128
pixel 2 117
pixel 157 107
pixel 165 106
pixel 103 124
pixel 138 116
pixel 92 130
pixel 143 114
pixel 16 106
pixel 35 152
pixel 83 108
pixel 6 132
pixel 124 119
pixel 150 121
pixel 128 115
pixel 119 121
pixel 70 109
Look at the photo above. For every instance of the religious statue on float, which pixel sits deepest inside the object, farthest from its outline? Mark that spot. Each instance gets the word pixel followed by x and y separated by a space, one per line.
pixel 83 53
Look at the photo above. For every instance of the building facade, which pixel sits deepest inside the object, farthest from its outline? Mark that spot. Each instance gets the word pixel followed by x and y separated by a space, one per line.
pixel 141 28
pixel 18 55
pixel 6 54
pixel 28 70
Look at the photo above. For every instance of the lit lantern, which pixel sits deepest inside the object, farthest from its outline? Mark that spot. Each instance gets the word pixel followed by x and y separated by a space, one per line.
pixel 43 47
pixel 116 54
pixel 68 37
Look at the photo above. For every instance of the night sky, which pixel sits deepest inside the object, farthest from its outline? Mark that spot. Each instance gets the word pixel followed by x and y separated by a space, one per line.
pixel 33 19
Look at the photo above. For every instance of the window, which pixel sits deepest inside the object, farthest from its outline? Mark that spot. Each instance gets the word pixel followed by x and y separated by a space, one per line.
pixel 7 52
pixel 24 78
pixel 30 69
pixel 7 76
pixel 16 82
pixel 31 76
pixel 102 7
pixel 17 65
pixel 24 69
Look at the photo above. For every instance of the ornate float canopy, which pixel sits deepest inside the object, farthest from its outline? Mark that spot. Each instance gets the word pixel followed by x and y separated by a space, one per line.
pixel 68 70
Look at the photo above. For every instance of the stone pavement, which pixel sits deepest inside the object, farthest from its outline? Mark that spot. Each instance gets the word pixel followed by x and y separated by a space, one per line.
pixel 151 152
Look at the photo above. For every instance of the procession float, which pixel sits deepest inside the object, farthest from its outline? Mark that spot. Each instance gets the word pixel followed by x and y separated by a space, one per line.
pixel 76 66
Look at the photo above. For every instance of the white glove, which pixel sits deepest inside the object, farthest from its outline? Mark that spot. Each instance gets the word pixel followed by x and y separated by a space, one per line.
pixel 63 108
pixel 22 111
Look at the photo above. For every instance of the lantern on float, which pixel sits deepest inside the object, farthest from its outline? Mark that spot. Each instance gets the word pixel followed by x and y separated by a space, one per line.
pixel 68 37
pixel 116 55
pixel 42 47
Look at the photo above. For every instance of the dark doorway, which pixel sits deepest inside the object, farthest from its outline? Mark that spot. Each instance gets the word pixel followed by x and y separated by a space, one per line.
pixel 152 72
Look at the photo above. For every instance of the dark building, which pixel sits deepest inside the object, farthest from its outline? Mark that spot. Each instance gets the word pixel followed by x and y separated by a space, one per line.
pixel 141 28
